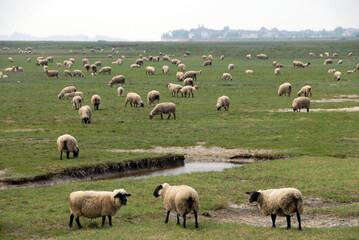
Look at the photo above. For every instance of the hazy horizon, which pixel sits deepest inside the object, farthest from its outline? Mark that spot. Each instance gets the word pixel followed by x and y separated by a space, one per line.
pixel 147 21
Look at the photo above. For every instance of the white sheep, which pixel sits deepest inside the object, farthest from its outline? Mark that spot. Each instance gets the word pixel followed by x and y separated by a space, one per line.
pixel 52 73
pixel 262 56
pixel 277 71
pixel 120 91
pixel 165 69
pixel 188 90
pixel 226 76
pixel 105 70
pixel 11 59
pixel 150 70
pixel 29 60
pixel 135 65
pixel 153 96
pixel 182 199
pixel 224 102
pixel 351 71
pixel 67 144
pixel 306 90
pixel 164 108
pixel 358 66
pixel 119 79
pixel 94 204
pixel 192 74
pixel 188 82
pixel 9 69
pixel 67 73
pixel 68 89
pixel 174 88
pixel 19 69
pixel 301 102
pixel 98 63
pixel 249 72
pixel 73 94
pixel 58 64
pixel 221 57
pixel 337 75
pixel 139 62
pixel 332 70
pixel 328 61
pixel 311 54
pixel 85 61
pixel 79 73
pixel 207 63
pixel 85 114
pixel 281 202
pixel 350 54
pixel 181 67
pixel 77 102
pixel 134 99
pixel 230 67
pixel 96 101
pixel 340 61
pixel 180 76
pixel 285 88
pixel 249 56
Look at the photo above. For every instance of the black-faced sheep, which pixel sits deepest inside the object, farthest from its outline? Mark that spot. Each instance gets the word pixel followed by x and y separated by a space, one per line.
pixel 67 144
pixel 120 91
pixel 85 114
pixel 337 75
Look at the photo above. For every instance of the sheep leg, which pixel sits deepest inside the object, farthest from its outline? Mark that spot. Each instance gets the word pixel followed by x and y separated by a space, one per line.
pixel 273 216
pixel 71 220
pixel 178 219
pixel 161 116
pixel 169 115
pixel 174 115
pixel 68 155
pixel 110 221
pixel 288 222
pixel 195 218
pixel 168 214
pixel 60 155
pixel 299 223
pixel 103 220
pixel 78 222
pixel 184 220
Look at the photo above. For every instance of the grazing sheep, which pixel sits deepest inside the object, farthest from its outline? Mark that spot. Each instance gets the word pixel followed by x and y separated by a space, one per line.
pixel 221 57
pixel 340 61
pixel 19 69
pixel 166 58
pixel 326 54
pixel 119 79
pixel 68 89
pixel 328 61
pixel 52 73
pixel 73 94
pixel 285 88
pixel 11 59
pixel 337 75
pixel 42 62
pixel 67 73
pixel 226 76
pixel 248 56
pixel 153 96
pixel 79 73
pixel 87 67
pixel 69 64
pixel 262 56
pixel 351 71
pixel 58 64
pixel 29 60
pixel 210 57
pixel 188 82
pixel 281 202
pixel 182 67
pixel 156 59
pixel 204 57
pixel 306 90
pixel 135 65
pixel 134 98
pixel 85 114
pixel 118 61
pixel 85 61
pixel 188 90
pixel 94 204
pixel 192 74
pixel 350 54
pixel 335 55
pixel 300 64
pixel 164 108
pixel 67 143
pixel 321 55
pixel 105 70
pixel 180 76
pixel 139 62
pixel 358 66
pixel 77 102
pixel 96 101
pixel 174 88
pixel 181 199
pixel 230 67
pixel 50 59
pixel 174 61
pixel 98 63
pixel 207 63
pixel 301 102
pixel 277 71
pixel 311 54
pixel 224 102
pixel 278 65
pixel 10 69
pixel 110 56
pixel 150 70
pixel 120 91
pixel 332 70
pixel 249 72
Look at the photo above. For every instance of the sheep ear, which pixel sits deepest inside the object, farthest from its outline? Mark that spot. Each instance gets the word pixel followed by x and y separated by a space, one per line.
pixel 128 195
pixel 248 193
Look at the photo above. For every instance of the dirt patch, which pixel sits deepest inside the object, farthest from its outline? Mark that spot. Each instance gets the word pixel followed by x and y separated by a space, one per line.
pixel 250 214
pixel 26 130
pixel 2 173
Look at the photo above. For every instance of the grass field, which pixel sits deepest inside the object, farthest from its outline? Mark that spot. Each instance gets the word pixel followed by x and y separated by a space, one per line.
pixel 323 145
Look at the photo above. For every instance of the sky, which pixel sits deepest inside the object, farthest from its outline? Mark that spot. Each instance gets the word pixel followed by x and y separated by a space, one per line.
pixel 145 20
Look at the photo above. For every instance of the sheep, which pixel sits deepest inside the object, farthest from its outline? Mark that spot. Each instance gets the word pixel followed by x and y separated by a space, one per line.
pixel 321 55
pixel 85 114
pixel 299 103
pixel 226 76
pixel 277 71
pixel 19 69
pixel 181 67
pixel 180 76
pixel 134 98
pixel 153 96
pixel 285 88
pixel 67 143
pixel 335 55
pixel 135 66
pixel 204 57
pixel 192 74
pixel 221 57
pixel 278 65
pixel 224 102
pixel 326 54
pixel 188 82
pixel 105 70
pixel 58 64
pixel 207 63
pixel 79 73
pixel 119 79
pixel 98 63
pixel 42 62
pixel 340 61
pixel 10 69
pixel 332 70
pixel 52 73
pixel 164 108
pixel 94 204
pixel 188 90
pixel 249 72
pixel 300 64
pixel 174 61
pixel 139 62
pixel 306 90
pixel 166 58
pixel 72 60
pixel 249 56
pixel 110 56
pixel 29 60
pixel 350 54
pixel 96 101
pixel 174 88
pixel 77 102
pixel 351 71
pixel 328 61
pixel 87 67
pixel 68 89
pixel 67 73
pixel 150 70
pixel 281 202
pixel 73 94
pixel 262 56
pixel 358 66
pixel 11 59
pixel 156 59
pixel 182 199
pixel 311 54
pixel 337 75
pixel 120 91
pixel 230 67
pixel 85 61
pixel 50 59
pixel 210 57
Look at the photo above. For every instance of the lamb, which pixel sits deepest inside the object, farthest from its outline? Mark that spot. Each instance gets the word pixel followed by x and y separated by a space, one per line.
pixel 332 70
pixel 135 66
pixel 105 70
pixel 52 73
pixel 306 90
pixel 188 90
pixel 153 96
pixel 119 79
pixel 182 199
pixel 174 88
pixel 120 91
pixel 281 202
pixel 249 72
pixel 337 75
pixel 328 61
pixel 207 63
pixel 226 76
pixel 180 76
pixel 224 102
pixel 284 89
pixel 67 73
pixel 150 70
pixel 96 100
pixel 85 114
pixel 301 102
pixel 68 89
pixel 79 73
pixel 77 102
pixel 277 71
pixel 192 74
pixel 188 82
pixel 73 94
pixel 67 143
pixel 230 67
pixel 94 204
pixel 182 67
pixel 134 98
